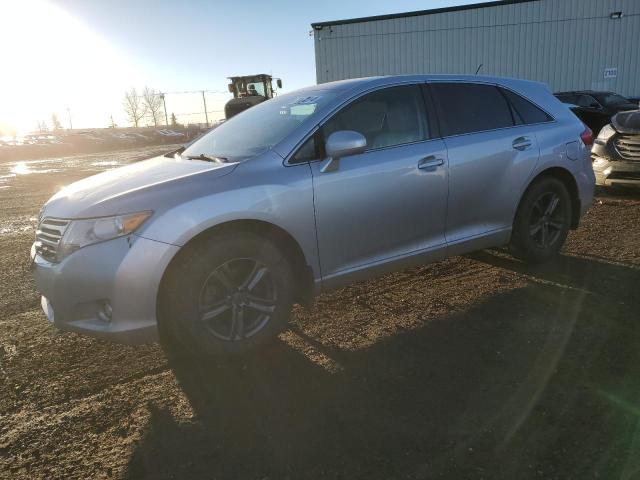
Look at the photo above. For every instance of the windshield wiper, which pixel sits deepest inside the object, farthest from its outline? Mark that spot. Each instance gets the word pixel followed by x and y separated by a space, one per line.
pixel 202 156
pixel 172 153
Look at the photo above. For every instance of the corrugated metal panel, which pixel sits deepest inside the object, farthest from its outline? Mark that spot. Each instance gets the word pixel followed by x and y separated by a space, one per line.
pixel 565 43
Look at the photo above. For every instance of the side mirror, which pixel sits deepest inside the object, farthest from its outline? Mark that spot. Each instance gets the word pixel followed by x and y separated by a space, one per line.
pixel 342 144
pixel 230 87
pixel 279 82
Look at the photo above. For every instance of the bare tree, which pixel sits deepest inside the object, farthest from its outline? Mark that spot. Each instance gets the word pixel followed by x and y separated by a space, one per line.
pixel 153 104
pixel 42 126
pixel 134 107
pixel 55 123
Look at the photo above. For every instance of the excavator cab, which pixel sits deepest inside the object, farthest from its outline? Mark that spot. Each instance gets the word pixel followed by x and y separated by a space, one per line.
pixel 249 90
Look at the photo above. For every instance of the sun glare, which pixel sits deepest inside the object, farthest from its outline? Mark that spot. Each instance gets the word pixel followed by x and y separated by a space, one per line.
pixel 53 62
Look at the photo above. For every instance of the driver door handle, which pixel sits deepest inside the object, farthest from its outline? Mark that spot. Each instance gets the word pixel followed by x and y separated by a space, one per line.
pixel 430 163
pixel 522 143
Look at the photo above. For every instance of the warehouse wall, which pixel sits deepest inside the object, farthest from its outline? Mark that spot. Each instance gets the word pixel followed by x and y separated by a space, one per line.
pixel 565 43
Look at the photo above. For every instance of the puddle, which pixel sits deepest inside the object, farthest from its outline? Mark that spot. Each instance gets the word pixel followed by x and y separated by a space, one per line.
pixel 18 225
pixel 23 168
pixel 107 163
pixel 91 163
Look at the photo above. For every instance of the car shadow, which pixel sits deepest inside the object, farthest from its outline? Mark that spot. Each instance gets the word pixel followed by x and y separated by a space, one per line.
pixel 536 382
pixel 590 275
pixel 618 193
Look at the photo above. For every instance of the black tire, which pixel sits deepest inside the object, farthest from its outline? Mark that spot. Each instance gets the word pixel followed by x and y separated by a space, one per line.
pixel 228 294
pixel 542 221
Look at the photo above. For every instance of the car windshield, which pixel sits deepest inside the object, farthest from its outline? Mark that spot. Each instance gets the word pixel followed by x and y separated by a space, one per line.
pixel 259 128
pixel 613 99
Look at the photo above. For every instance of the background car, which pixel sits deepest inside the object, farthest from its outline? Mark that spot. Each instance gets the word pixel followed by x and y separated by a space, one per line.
pixel 635 100
pixel 595 108
pixel 616 151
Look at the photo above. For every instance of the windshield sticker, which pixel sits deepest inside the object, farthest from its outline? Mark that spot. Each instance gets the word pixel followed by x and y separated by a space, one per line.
pixel 306 100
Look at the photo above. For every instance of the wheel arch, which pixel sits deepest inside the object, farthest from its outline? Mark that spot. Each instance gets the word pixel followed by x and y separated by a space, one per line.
pixel 566 177
pixel 289 246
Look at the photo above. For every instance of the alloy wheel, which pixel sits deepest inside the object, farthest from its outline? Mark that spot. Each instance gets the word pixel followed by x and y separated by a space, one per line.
pixel 547 220
pixel 237 299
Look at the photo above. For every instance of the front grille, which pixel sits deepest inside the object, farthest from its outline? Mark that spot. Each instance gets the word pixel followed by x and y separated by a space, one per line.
pixel 628 146
pixel 48 235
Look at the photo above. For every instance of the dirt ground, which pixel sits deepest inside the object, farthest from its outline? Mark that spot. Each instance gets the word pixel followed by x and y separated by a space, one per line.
pixel 474 367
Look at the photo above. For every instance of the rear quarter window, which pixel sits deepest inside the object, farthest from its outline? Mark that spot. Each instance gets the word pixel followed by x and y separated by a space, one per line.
pixel 525 111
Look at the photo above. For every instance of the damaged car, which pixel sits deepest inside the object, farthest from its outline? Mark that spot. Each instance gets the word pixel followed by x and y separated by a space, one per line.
pixel 616 151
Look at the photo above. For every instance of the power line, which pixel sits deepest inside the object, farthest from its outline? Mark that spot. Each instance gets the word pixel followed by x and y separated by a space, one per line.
pixel 186 92
pixel 199 113
pixel 196 91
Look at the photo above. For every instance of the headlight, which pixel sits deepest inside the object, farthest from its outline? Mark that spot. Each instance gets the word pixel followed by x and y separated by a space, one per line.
pixel 606 133
pixel 81 233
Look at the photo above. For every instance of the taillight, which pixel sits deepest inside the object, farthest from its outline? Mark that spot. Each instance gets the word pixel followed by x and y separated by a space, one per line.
pixel 587 136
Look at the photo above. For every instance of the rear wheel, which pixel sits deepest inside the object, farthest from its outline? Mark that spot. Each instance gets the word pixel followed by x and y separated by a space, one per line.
pixel 542 221
pixel 227 295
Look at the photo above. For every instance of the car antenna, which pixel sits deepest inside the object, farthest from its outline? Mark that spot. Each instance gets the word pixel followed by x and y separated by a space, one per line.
pixel 479 67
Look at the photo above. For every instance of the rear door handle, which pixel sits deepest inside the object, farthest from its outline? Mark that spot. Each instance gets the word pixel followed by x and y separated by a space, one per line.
pixel 522 143
pixel 430 163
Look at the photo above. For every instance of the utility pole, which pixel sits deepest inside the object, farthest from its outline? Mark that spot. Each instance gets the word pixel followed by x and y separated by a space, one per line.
pixel 69 114
pixel 166 119
pixel 206 115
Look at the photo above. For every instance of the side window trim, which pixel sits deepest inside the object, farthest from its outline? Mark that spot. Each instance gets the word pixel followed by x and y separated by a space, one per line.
pixel 317 129
pixel 512 109
pixel 430 109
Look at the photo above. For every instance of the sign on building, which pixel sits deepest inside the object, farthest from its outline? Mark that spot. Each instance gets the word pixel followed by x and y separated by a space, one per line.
pixel 610 72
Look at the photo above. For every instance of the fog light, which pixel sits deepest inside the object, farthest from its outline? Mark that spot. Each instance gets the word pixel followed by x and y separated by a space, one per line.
pixel 105 311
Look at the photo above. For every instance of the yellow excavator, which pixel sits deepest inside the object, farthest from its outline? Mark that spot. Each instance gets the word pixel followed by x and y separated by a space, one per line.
pixel 249 90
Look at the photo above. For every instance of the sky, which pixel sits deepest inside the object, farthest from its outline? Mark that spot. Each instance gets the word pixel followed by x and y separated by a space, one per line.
pixel 76 58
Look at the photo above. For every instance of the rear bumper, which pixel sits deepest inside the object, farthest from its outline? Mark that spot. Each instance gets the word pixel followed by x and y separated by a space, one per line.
pixel 586 183
pixel 123 273
pixel 616 173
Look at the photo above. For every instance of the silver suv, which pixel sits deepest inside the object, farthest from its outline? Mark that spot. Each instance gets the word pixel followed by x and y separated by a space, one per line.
pixel 208 248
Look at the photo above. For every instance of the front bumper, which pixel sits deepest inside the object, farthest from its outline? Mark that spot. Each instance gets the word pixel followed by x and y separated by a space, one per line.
pixel 124 273
pixel 611 173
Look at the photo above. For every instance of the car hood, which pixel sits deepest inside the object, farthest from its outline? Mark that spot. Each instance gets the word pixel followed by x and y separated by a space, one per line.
pixel 626 122
pixel 154 184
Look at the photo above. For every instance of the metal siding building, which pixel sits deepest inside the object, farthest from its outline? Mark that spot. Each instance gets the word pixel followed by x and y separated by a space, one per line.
pixel 567 44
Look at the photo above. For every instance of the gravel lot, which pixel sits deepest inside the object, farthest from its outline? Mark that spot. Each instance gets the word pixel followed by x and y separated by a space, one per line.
pixel 474 367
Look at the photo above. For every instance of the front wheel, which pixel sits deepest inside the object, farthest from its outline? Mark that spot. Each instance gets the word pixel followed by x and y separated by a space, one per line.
pixel 225 295
pixel 542 221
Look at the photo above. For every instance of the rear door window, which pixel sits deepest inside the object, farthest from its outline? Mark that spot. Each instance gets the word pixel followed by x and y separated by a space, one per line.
pixel 470 107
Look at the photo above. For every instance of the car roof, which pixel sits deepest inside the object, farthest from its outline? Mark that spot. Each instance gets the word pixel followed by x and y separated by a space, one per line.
pixel 590 92
pixel 354 83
